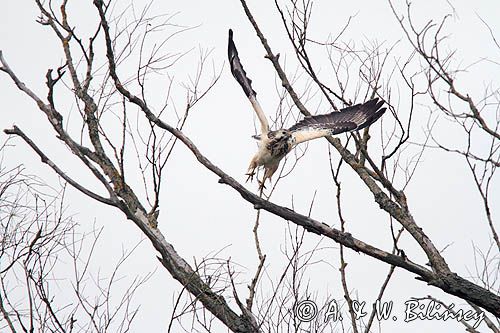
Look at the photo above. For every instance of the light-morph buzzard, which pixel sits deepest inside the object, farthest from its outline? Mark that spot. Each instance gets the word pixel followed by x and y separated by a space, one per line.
pixel 274 145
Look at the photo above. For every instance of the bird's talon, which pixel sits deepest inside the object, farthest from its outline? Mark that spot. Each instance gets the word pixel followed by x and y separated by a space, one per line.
pixel 250 176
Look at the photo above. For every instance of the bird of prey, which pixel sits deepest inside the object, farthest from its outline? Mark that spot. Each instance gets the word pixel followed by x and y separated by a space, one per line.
pixel 274 145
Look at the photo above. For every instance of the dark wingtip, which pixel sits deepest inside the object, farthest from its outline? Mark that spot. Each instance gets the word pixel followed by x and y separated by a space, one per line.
pixel 375 103
pixel 375 111
pixel 230 45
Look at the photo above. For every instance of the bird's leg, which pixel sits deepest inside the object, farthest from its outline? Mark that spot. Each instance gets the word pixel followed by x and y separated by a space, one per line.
pixel 251 169
pixel 262 184
pixel 270 170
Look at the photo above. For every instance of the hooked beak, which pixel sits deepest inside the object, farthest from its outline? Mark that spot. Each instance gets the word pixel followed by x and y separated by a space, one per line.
pixel 256 137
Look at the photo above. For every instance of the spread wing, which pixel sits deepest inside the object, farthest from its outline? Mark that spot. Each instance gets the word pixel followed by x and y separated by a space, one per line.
pixel 352 118
pixel 241 76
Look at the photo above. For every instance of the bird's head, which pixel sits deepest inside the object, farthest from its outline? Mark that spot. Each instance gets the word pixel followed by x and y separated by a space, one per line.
pixel 279 134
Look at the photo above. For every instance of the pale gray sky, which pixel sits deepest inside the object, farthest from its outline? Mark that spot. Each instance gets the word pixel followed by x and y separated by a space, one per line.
pixel 200 216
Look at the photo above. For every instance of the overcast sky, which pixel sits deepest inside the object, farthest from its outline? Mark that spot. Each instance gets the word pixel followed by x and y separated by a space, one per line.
pixel 199 216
